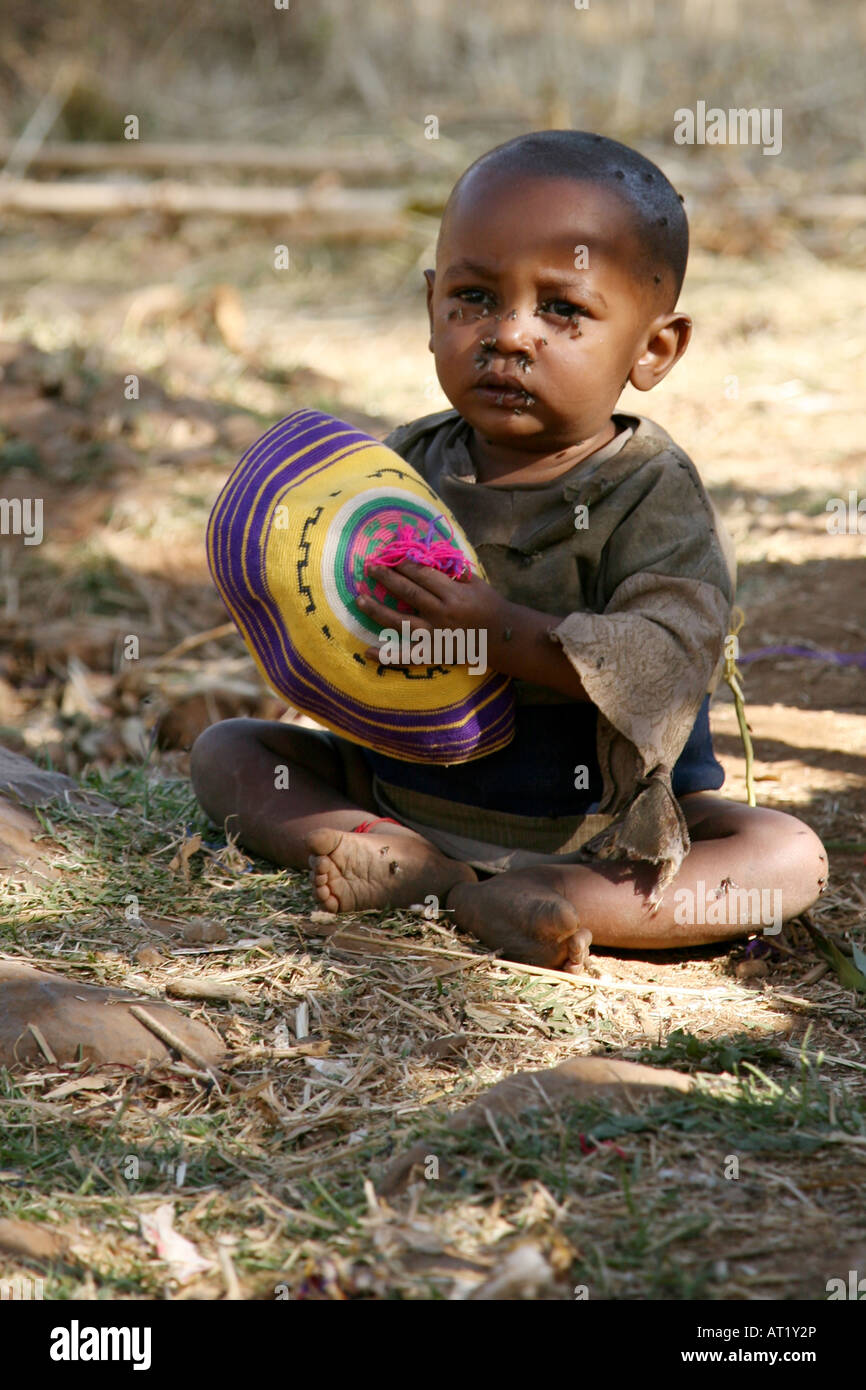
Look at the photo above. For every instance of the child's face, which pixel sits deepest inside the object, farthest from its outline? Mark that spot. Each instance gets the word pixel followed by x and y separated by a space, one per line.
pixel 537 318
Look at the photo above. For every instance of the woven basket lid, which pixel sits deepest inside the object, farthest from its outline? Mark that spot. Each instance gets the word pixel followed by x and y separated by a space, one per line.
pixel 287 540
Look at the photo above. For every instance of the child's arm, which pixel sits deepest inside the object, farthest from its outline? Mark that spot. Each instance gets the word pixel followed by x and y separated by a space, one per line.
pixel 518 638
pixel 524 649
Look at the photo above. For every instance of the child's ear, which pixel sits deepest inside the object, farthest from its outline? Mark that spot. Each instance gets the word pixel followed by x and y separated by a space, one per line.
pixel 430 277
pixel 667 341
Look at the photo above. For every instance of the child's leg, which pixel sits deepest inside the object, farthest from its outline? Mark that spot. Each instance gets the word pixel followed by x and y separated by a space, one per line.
pixel 547 916
pixel 290 797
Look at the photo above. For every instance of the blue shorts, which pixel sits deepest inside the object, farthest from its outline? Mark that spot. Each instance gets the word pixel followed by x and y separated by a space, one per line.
pixel 549 769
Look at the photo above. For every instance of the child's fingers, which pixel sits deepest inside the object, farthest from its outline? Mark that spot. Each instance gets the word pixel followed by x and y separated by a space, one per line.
pixel 379 612
pixel 394 623
pixel 426 578
pixel 416 584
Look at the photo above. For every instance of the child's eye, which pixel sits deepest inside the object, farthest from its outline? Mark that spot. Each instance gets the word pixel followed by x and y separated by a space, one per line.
pixel 562 308
pixel 473 296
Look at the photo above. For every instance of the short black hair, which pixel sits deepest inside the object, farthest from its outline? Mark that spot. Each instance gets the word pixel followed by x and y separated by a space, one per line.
pixel 581 155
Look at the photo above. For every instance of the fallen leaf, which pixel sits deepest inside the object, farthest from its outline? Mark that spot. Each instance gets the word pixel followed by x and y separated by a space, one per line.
pixel 181 1256
pixel 190 846
pixel 31 1240
pixel 451 1046
pixel 618 1083
pixel 157 302
pixel 166 926
pixel 229 317
pixel 200 929
pixel 82 692
pixel 149 955
pixel 524 1273
pixel 492 1019
pixel 84 1083
pixel 752 969
pixel 332 1069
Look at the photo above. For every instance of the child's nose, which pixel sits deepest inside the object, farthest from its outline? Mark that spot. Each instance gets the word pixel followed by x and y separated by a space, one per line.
pixel 514 331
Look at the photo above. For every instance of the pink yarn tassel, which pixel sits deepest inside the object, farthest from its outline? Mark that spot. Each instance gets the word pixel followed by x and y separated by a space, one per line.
pixel 410 544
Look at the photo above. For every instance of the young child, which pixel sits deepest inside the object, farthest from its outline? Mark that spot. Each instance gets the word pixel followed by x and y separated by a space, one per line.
pixel 558 268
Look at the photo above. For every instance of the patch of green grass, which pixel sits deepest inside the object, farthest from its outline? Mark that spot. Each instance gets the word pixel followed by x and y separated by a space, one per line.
pixel 70 1155
pixel 655 1242
pixel 18 453
pixel 118 866
pixel 685 1052
pixel 95 579
pixel 636 1194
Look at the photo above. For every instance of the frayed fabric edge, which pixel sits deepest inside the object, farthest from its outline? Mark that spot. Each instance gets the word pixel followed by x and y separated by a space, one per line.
pixel 652 830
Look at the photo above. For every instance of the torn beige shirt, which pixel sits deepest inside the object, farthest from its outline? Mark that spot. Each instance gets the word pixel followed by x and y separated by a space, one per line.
pixel 641 587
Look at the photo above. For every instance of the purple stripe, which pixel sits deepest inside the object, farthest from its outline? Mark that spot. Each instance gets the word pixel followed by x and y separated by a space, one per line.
pixel 282 435
pixel 259 611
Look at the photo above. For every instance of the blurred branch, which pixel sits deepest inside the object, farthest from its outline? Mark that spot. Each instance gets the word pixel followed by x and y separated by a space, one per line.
pixel 321 210
pixel 351 164
pixel 20 155
pixel 336 213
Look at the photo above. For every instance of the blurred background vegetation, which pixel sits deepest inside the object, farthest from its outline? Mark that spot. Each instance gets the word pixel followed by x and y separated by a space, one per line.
pixel 325 69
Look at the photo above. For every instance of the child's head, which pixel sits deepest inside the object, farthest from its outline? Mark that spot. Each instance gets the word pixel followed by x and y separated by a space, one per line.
pixel 559 262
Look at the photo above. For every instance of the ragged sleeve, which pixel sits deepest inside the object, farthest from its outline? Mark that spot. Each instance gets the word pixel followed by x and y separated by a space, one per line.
pixel 648 657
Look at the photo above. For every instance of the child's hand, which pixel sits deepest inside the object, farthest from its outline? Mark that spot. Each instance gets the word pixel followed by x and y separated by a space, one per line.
pixel 516 640
pixel 438 601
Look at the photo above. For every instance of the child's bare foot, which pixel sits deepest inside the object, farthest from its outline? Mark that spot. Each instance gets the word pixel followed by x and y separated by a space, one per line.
pixel 350 872
pixel 529 923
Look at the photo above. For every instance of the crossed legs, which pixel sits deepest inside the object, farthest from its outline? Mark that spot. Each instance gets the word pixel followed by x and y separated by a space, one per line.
pixel 292 798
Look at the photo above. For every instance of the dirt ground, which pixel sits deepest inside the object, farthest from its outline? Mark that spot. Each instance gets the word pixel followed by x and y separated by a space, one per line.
pixel 767 402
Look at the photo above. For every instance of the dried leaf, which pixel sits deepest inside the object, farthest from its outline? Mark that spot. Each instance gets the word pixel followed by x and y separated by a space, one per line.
pixel 190 846
pixel 83 1083
pixel 453 1045
pixel 149 955
pixel 494 1020
pixel 752 969
pixel 524 1273
pixel 179 1254
pixel 230 317
pixel 31 1240
pixel 200 929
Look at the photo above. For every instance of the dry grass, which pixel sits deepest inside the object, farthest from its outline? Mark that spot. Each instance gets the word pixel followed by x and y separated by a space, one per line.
pixel 351 1043
pixel 227 70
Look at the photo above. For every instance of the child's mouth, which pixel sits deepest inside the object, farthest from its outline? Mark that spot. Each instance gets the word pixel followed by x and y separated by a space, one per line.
pixel 504 391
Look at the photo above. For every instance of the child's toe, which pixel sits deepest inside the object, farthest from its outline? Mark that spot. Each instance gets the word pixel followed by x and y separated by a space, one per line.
pixel 323 841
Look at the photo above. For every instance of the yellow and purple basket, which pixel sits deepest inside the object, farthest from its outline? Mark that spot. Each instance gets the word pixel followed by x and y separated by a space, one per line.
pixel 287 541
